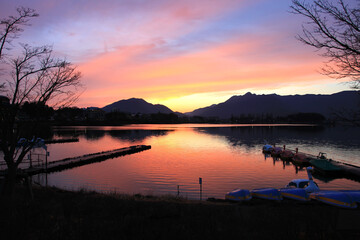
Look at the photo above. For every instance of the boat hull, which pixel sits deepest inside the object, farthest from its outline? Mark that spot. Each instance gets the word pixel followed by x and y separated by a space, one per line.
pixel 354 194
pixel 299 194
pixel 334 198
pixel 325 166
pixel 266 193
pixel 238 195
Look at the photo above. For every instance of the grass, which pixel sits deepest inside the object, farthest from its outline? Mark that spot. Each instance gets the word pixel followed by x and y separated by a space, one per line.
pixel 59 214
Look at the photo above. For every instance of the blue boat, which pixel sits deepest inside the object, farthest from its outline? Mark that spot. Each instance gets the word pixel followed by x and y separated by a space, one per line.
pixel 266 193
pixel 238 195
pixel 299 194
pixel 354 194
pixel 267 148
pixel 335 198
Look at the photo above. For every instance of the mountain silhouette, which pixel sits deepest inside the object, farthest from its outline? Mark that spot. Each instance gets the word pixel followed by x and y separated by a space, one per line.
pixel 281 105
pixel 136 105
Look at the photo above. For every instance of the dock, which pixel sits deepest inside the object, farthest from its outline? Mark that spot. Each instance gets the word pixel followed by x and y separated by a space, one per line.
pixel 348 170
pixel 67 163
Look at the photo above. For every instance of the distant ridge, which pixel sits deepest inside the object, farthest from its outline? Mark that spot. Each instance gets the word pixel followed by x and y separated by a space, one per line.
pixel 281 105
pixel 136 105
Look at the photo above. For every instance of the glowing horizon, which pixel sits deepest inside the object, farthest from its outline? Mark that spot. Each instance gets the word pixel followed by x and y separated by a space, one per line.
pixel 184 54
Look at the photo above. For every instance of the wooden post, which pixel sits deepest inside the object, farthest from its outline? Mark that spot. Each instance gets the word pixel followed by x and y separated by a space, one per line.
pixel 178 190
pixel 200 182
pixel 30 160
pixel 46 160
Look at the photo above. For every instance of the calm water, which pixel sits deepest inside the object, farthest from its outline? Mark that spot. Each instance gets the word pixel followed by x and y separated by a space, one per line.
pixel 224 156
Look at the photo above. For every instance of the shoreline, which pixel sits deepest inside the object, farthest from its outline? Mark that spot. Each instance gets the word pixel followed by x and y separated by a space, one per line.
pixel 61 214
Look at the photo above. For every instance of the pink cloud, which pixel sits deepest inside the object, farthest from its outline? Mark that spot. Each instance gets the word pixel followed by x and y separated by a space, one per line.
pixel 247 62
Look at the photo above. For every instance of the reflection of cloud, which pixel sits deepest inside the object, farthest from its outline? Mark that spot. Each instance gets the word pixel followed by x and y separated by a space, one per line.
pixel 136 135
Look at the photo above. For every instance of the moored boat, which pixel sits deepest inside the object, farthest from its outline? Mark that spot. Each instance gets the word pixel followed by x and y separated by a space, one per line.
pixel 238 195
pixel 276 152
pixel 301 159
pixel 295 193
pixel 354 194
pixel 307 184
pixel 266 193
pixel 335 198
pixel 267 148
pixel 325 166
pixel 286 155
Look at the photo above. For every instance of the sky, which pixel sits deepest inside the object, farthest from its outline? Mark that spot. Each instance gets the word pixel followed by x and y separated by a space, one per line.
pixel 184 54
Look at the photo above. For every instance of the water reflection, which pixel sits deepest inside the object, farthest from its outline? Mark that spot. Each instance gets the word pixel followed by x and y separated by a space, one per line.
pixel 341 143
pixel 225 157
pixel 252 136
pixel 97 133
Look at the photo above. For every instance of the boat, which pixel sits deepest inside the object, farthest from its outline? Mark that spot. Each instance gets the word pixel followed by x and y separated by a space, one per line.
pixel 276 152
pixel 321 155
pixel 267 148
pixel 266 193
pixel 335 198
pixel 354 194
pixel 301 159
pixel 325 166
pixel 286 155
pixel 238 195
pixel 307 184
pixel 295 193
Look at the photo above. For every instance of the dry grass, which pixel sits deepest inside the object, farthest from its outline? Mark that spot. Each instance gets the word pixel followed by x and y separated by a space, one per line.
pixel 58 214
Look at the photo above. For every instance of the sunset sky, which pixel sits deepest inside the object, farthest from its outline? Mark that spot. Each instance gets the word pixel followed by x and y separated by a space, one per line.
pixel 184 54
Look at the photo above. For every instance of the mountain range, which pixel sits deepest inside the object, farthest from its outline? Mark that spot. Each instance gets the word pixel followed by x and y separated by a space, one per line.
pixel 136 105
pixel 253 104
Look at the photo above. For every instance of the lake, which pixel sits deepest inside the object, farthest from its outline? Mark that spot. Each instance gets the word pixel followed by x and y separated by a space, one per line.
pixel 224 156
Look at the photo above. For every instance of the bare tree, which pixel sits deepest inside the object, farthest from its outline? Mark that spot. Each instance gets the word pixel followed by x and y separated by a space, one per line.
pixel 334 29
pixel 12 26
pixel 36 77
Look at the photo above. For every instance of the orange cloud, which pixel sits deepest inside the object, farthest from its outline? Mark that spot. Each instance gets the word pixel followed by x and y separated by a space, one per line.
pixel 243 62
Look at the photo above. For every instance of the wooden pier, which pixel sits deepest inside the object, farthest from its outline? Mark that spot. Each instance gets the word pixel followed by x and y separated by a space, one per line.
pixel 348 170
pixel 68 163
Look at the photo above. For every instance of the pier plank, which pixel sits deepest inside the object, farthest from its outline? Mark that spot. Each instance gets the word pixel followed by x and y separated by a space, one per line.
pixel 67 163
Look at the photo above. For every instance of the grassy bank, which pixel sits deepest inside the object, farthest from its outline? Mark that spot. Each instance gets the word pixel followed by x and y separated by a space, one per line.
pixel 58 214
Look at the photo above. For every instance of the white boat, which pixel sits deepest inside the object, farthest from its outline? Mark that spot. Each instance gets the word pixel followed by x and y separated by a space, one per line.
pixel 308 184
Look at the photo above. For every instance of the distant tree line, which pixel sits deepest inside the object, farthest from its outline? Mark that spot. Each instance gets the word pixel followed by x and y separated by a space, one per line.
pixel 96 116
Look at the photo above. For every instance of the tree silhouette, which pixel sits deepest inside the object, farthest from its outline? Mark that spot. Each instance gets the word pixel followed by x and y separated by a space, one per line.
pixel 36 77
pixel 334 30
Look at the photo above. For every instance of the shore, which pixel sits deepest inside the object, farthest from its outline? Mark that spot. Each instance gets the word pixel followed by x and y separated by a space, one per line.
pixel 60 214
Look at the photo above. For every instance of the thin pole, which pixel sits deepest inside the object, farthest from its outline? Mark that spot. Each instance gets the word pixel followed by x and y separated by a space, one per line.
pixel 200 182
